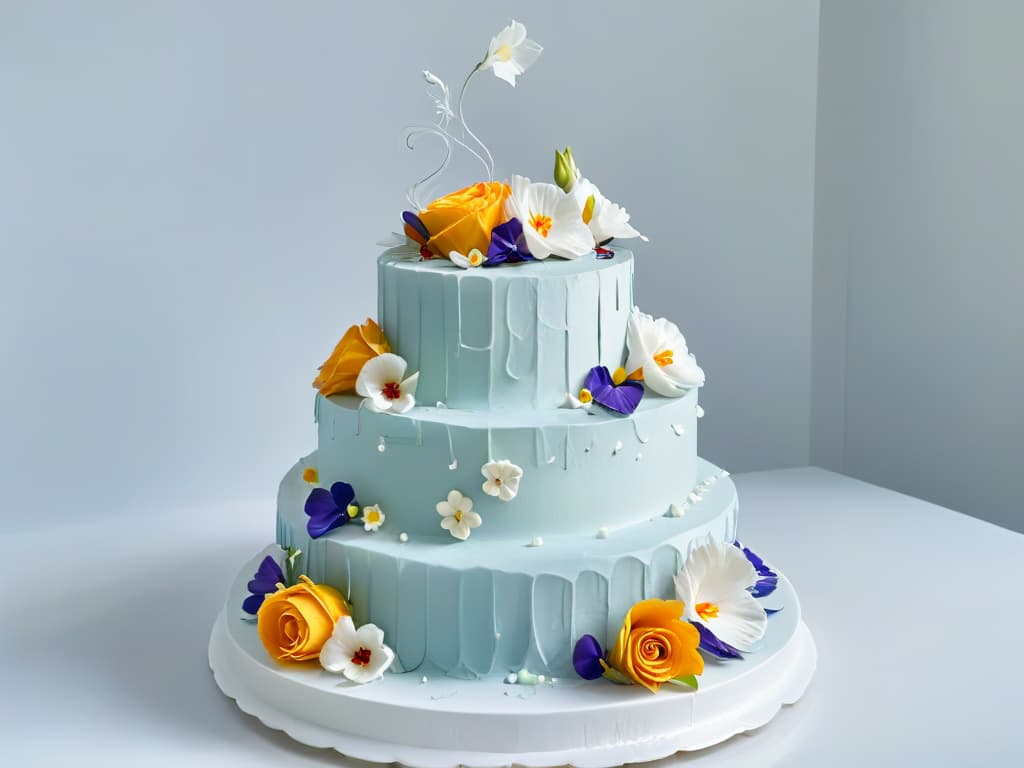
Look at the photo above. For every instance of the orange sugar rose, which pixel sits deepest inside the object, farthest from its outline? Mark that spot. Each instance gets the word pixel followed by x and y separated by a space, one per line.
pixel 294 623
pixel 360 343
pixel 655 645
pixel 463 220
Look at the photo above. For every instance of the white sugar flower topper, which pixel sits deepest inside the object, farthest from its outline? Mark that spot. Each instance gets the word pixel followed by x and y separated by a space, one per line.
pixel 606 220
pixel 358 654
pixel 501 479
pixel 713 587
pixel 381 382
pixel 552 219
pixel 658 350
pixel 457 515
pixel 510 53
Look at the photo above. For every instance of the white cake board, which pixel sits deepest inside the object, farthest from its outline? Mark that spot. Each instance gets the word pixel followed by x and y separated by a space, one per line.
pixel 428 720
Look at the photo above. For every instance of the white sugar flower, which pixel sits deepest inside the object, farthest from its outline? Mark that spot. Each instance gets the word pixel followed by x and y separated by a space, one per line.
pixel 605 219
pixel 359 654
pixel 457 515
pixel 501 479
pixel 713 587
pixel 658 350
pixel 381 382
pixel 472 259
pixel 552 219
pixel 510 53
pixel 373 517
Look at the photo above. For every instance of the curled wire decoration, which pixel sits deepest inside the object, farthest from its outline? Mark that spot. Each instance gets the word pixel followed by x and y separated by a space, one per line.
pixel 446 116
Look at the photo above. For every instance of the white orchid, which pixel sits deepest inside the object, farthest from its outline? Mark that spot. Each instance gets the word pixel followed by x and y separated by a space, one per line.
pixel 358 654
pixel 381 381
pixel 510 53
pixel 501 479
pixel 658 350
pixel 457 515
pixel 713 587
pixel 474 258
pixel 606 219
pixel 373 517
pixel 552 219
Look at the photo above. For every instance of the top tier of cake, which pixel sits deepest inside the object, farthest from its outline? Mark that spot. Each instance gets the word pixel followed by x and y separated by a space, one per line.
pixel 515 337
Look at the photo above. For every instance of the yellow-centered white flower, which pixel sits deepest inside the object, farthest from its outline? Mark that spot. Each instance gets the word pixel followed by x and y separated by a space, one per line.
pixel 511 53
pixel 381 381
pixel 605 219
pixel 552 219
pixel 457 515
pixel 474 258
pixel 373 517
pixel 358 654
pixel 658 350
pixel 501 479
pixel 713 588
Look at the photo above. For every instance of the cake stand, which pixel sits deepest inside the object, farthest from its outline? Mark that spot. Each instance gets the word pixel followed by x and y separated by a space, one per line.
pixel 427 720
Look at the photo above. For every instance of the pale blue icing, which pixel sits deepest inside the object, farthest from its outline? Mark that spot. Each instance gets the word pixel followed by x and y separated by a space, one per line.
pixel 484 606
pixel 574 479
pixel 508 337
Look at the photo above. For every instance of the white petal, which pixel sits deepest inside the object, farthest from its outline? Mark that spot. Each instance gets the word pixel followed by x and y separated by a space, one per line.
pixel 450 524
pixel 741 621
pixel 526 53
pixel 471 519
pixel 491 488
pixel 506 70
pixel 332 656
pixel 459 260
pixel 403 404
pixel 459 530
pixel 455 500
pixel 466 504
pixel 409 385
pixel 377 371
pixel 370 636
pixel 445 508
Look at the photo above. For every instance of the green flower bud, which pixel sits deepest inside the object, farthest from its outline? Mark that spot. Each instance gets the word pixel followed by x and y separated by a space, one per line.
pixel 564 170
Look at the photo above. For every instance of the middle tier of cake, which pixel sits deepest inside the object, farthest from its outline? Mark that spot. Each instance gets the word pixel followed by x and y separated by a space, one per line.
pixel 582 470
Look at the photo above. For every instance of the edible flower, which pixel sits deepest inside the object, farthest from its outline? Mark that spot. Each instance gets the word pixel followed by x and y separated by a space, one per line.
pixel 715 585
pixel 358 654
pixel 462 220
pixel 373 518
pixel 359 344
pixel 265 581
pixel 552 220
pixel 606 220
pixel 383 384
pixel 457 515
pixel 501 479
pixel 767 579
pixel 615 391
pixel 296 622
pixel 331 509
pixel 510 53
pixel 472 259
pixel 588 658
pixel 659 357
pixel 311 475
pixel 566 172
pixel 655 646
pixel 508 244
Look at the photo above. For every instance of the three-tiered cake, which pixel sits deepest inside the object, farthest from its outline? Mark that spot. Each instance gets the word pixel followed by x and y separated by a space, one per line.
pixel 506 499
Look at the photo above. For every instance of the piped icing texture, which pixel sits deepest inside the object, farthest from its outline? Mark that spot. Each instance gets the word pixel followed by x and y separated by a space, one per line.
pixel 518 336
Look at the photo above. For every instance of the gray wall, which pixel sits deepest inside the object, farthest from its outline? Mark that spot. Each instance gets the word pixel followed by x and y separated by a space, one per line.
pixel 919 256
pixel 191 192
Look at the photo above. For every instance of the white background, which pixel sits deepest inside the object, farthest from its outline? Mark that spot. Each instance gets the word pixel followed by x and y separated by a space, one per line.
pixel 190 194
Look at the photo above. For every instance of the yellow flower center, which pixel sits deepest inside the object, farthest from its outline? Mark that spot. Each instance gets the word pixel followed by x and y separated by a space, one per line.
pixel 503 53
pixel 372 516
pixel 619 375
pixel 664 358
pixel 586 396
pixel 476 258
pixel 541 223
pixel 706 610
pixel 588 209
pixel 458 515
pixel 353 510
pixel 497 481
pixel 310 475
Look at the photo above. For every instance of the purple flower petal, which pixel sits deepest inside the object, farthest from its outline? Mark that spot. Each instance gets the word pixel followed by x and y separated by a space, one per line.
pixel 622 398
pixel 769 580
pixel 324 512
pixel 772 611
pixel 714 646
pixel 343 494
pixel 322 524
pixel 320 503
pixel 267 577
pixel 252 603
pixel 414 222
pixel 507 244
pixel 586 658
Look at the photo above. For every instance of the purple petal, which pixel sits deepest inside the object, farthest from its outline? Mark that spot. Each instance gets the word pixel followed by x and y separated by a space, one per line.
pixel 598 380
pixel 772 611
pixel 413 221
pixel 321 524
pixel 343 494
pixel 267 577
pixel 764 587
pixel 714 646
pixel 320 503
pixel 769 580
pixel 252 603
pixel 507 244
pixel 623 398
pixel 586 658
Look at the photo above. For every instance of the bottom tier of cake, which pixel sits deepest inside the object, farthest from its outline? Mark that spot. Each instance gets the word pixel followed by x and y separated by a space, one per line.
pixel 475 608
pixel 427 719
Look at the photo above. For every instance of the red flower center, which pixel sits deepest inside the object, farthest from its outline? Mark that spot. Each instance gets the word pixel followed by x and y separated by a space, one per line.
pixel 362 657
pixel 392 390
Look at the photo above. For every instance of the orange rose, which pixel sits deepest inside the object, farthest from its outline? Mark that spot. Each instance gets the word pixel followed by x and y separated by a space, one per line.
pixel 294 623
pixel 360 343
pixel 463 220
pixel 655 645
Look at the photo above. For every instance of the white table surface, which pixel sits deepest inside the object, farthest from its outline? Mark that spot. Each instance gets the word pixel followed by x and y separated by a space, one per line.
pixel 916 610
